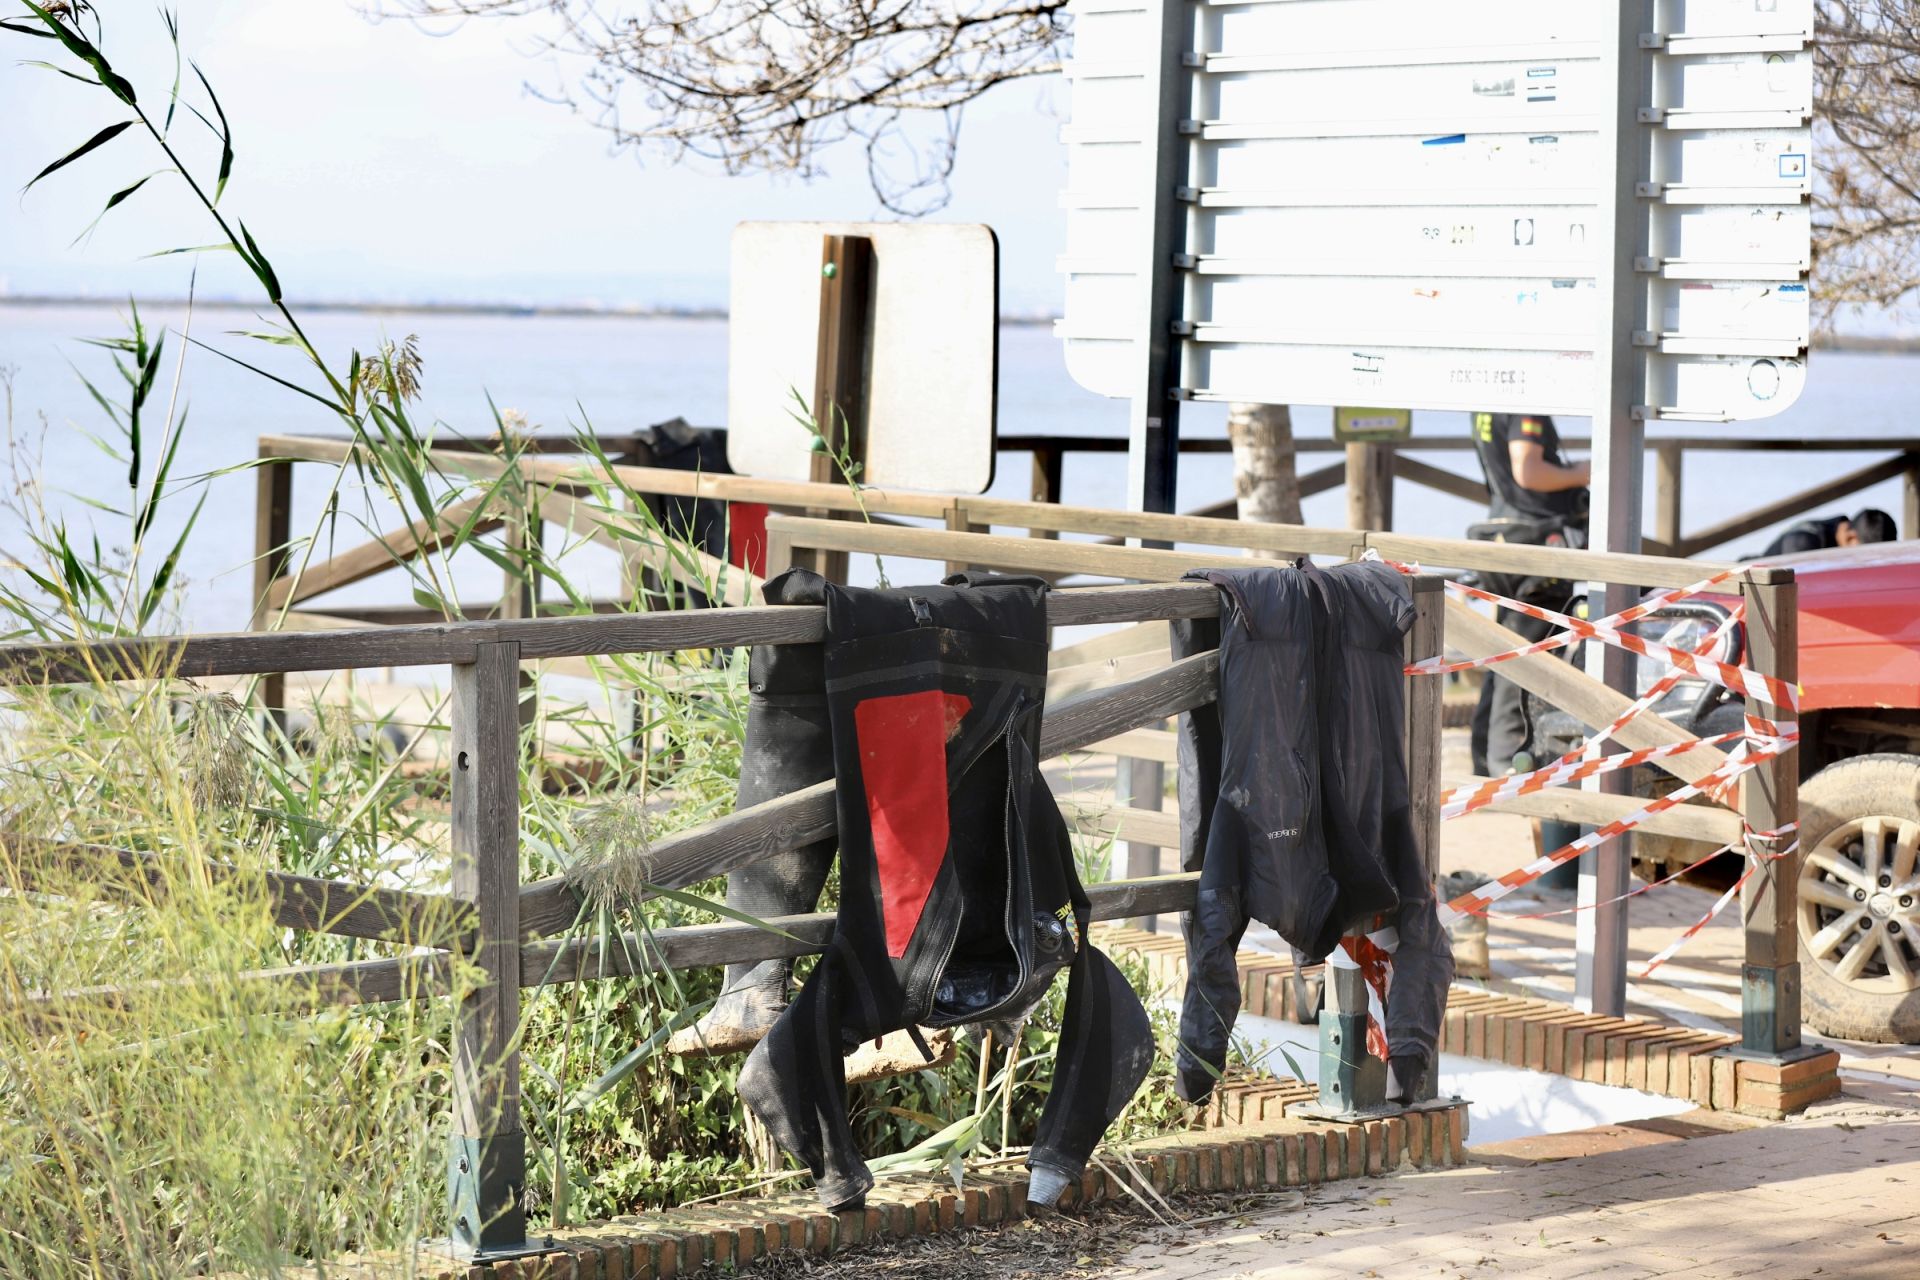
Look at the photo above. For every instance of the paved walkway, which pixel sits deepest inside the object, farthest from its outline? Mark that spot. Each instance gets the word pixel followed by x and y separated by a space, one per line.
pixel 1832 1195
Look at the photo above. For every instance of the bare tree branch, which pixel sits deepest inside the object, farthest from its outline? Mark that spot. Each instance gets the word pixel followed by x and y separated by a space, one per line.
pixel 1866 225
pixel 770 84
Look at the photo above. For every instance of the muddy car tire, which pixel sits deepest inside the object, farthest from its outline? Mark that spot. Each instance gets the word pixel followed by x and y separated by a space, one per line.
pixel 1859 899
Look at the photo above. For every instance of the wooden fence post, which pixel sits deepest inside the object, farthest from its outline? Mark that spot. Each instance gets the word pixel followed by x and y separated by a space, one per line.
pixel 1769 800
pixel 1427 639
pixel 1668 461
pixel 487 1162
pixel 272 530
pixel 1910 498
pixel 1048 462
pixel 1369 486
pixel 520 592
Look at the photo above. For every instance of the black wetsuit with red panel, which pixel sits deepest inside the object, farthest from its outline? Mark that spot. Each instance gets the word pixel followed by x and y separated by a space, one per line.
pixel 959 901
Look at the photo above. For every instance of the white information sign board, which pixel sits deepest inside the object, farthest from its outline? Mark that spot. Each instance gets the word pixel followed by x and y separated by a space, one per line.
pixel 932 364
pixel 1392 200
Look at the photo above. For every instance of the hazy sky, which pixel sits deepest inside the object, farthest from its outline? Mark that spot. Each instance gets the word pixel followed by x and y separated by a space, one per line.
pixel 377 161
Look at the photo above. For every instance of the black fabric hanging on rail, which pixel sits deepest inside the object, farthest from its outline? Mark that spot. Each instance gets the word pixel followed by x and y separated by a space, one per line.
pixel 959 901
pixel 1294 803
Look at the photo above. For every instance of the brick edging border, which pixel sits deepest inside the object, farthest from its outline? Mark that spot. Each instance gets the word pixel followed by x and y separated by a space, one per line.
pixel 1257 1156
pixel 1634 1053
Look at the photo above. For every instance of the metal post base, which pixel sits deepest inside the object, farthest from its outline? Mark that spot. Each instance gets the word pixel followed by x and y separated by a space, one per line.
pixel 442 1247
pixel 1770 1013
pixel 1353 1083
pixel 484 1187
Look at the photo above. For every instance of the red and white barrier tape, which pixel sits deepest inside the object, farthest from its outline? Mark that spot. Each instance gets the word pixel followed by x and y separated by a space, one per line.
pixel 1608 630
pixel 1755 750
pixel 1574 767
pixel 1754 863
pixel 1520 784
pixel 1372 955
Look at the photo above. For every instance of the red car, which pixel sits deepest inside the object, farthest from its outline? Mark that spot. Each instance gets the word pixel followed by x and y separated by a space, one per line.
pixel 1860 790
pixel 1860 779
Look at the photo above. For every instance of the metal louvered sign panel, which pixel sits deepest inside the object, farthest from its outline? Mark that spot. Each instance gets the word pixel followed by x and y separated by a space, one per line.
pixel 1396 202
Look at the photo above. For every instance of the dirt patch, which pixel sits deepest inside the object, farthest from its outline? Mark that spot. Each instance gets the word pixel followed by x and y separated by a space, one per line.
pixel 1087 1244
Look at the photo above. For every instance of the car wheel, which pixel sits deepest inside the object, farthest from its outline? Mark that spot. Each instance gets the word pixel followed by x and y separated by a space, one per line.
pixel 1859 899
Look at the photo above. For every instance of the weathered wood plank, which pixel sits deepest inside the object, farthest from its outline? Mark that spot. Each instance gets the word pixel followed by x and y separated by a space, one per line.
pixel 1797 504
pixel 700 946
pixel 1024 554
pixel 299 902
pixel 1290 539
pixel 385 551
pixel 432 644
pixel 557 960
pixel 646 480
pixel 1155 827
pixel 1575 692
pixel 488 1149
pixel 1709 823
pixel 621 532
pixel 1065 681
pixel 1562 562
pixel 802 817
pixel 1425 640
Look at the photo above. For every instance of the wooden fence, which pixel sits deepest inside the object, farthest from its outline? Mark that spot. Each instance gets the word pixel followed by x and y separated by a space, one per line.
pixel 871 522
pixel 519 934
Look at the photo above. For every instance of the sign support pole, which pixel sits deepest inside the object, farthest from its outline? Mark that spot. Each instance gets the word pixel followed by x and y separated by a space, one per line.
pixel 1153 412
pixel 839 379
pixel 1600 942
pixel 1153 419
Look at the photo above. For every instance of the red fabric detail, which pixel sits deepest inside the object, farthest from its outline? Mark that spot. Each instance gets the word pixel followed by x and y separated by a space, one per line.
pixel 903 761
pixel 1532 427
pixel 747 537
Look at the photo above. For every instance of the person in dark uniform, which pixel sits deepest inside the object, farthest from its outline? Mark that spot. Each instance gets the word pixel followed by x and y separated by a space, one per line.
pixel 1871 525
pixel 1535 496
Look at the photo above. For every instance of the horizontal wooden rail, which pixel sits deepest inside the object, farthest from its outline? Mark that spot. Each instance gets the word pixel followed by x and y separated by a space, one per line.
pixel 696 946
pixel 1709 823
pixel 252 653
pixel 1796 504
pixel 802 817
pixel 298 902
pixel 1561 562
pixel 1285 539
pixel 1566 686
pixel 1024 554
pixel 380 553
pixel 685 564
pixel 645 480
pixel 1135 826
pixel 551 961
pixel 1027 443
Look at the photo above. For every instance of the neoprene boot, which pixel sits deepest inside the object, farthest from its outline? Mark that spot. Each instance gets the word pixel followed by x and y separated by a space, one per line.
pixel 789 747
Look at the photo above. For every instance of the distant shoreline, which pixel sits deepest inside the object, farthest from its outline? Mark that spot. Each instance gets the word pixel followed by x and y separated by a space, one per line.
pixel 515 310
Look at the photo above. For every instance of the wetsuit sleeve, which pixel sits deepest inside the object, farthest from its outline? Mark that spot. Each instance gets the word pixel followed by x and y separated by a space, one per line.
pixel 1214 927
pixel 1106 1042
pixel 1422 965
pixel 795 1081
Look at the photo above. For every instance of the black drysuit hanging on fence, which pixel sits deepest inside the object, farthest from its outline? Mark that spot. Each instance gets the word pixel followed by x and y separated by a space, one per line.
pixel 1294 798
pixel 958 896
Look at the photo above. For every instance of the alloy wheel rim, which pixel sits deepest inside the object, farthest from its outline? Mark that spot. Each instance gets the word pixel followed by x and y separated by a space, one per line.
pixel 1859 904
